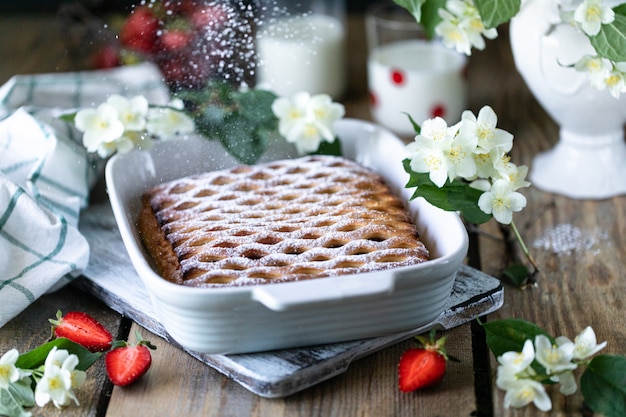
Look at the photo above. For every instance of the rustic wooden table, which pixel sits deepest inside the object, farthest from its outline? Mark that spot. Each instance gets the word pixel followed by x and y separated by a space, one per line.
pixel 578 245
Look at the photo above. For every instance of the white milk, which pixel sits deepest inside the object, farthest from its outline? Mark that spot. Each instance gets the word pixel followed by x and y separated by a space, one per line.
pixel 303 53
pixel 421 78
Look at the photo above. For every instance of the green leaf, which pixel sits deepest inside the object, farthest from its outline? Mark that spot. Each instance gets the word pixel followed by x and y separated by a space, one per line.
pixel 509 335
pixel 17 396
pixel 517 274
pixel 496 12
pixel 68 117
pixel 413 6
pixel 22 391
pixel 416 127
pixel 241 120
pixel 453 196
pixel 256 105
pixel 35 358
pixel 610 42
pixel 425 12
pixel 430 16
pixel 328 148
pixel 603 385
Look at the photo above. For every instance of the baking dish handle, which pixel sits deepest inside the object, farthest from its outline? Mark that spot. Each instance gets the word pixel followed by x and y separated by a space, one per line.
pixel 303 294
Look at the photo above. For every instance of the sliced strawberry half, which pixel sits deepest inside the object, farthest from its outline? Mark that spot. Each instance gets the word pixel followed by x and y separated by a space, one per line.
pixel 83 329
pixel 127 363
pixel 423 366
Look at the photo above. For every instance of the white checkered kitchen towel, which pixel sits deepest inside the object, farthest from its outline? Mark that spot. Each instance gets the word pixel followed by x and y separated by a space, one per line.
pixel 46 176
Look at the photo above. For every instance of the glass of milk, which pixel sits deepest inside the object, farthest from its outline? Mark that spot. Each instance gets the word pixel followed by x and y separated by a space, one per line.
pixel 408 74
pixel 300 47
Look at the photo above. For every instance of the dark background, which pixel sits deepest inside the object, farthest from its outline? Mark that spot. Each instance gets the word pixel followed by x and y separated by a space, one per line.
pixel 47 6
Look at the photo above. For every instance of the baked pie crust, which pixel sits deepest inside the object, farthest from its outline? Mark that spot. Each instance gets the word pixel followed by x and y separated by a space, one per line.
pixel 295 219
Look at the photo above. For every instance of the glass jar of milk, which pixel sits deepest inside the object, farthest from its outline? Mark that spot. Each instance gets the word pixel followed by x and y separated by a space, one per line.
pixel 300 47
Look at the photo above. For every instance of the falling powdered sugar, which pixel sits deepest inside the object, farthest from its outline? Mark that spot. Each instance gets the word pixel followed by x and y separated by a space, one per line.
pixel 566 239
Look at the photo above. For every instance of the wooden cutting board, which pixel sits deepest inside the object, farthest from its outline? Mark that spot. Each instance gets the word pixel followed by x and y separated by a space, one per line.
pixel 111 277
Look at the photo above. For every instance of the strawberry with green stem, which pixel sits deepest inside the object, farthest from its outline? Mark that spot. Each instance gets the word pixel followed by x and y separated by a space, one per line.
pixel 81 328
pixel 126 363
pixel 423 366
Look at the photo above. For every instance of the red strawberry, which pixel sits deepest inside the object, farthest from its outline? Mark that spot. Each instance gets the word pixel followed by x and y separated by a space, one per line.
pixel 424 366
pixel 174 39
pixel 214 16
pixel 126 363
pixel 83 329
pixel 140 30
pixel 106 57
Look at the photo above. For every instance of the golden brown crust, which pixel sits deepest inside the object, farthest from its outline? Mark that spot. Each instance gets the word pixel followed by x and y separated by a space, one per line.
pixel 158 246
pixel 282 221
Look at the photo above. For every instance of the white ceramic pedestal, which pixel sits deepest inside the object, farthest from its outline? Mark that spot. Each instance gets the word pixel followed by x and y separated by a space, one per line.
pixel 583 167
pixel 589 160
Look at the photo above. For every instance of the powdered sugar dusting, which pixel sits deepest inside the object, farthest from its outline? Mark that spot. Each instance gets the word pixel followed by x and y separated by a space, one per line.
pixel 567 239
pixel 304 218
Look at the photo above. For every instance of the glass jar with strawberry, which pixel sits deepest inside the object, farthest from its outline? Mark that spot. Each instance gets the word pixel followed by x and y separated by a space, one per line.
pixel 192 41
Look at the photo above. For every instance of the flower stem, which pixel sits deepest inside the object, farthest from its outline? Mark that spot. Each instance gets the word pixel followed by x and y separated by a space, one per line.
pixel 520 240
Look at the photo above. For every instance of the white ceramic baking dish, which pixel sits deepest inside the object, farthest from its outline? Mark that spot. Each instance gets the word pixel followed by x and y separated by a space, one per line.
pixel 274 316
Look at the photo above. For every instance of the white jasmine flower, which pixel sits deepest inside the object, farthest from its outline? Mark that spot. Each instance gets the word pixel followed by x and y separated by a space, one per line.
pixel 59 378
pixel 126 143
pixel 428 158
pixel 501 201
pixel 484 128
pixel 77 376
pixel 433 151
pixel 177 104
pixel 511 172
pixel 308 135
pixel 515 376
pixel 585 344
pixel 452 34
pixel 8 371
pixel 568 382
pixel 56 357
pixel 323 110
pixel 132 112
pixel 518 361
pixel 100 126
pixel 460 155
pixel 55 385
pixel 290 111
pixel 486 165
pixel 307 121
pixel 106 149
pixel 167 122
pixel 555 358
pixel 475 29
pixel 481 184
pixel 591 14
pixel 615 81
pixel 462 28
pixel 524 391
pixel 471 22
pixel 596 67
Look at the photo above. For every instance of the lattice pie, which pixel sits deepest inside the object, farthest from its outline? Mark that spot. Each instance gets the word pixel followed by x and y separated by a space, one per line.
pixel 310 217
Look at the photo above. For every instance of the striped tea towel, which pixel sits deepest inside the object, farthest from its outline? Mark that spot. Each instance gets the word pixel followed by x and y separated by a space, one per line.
pixel 46 175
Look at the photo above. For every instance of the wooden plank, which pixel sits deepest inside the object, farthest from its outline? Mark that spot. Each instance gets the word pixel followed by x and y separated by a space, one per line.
pixel 580 249
pixel 579 245
pixel 112 278
pixel 179 385
pixel 27 51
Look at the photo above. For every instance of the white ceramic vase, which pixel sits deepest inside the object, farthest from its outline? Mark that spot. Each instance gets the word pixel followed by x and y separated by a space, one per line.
pixel 589 159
